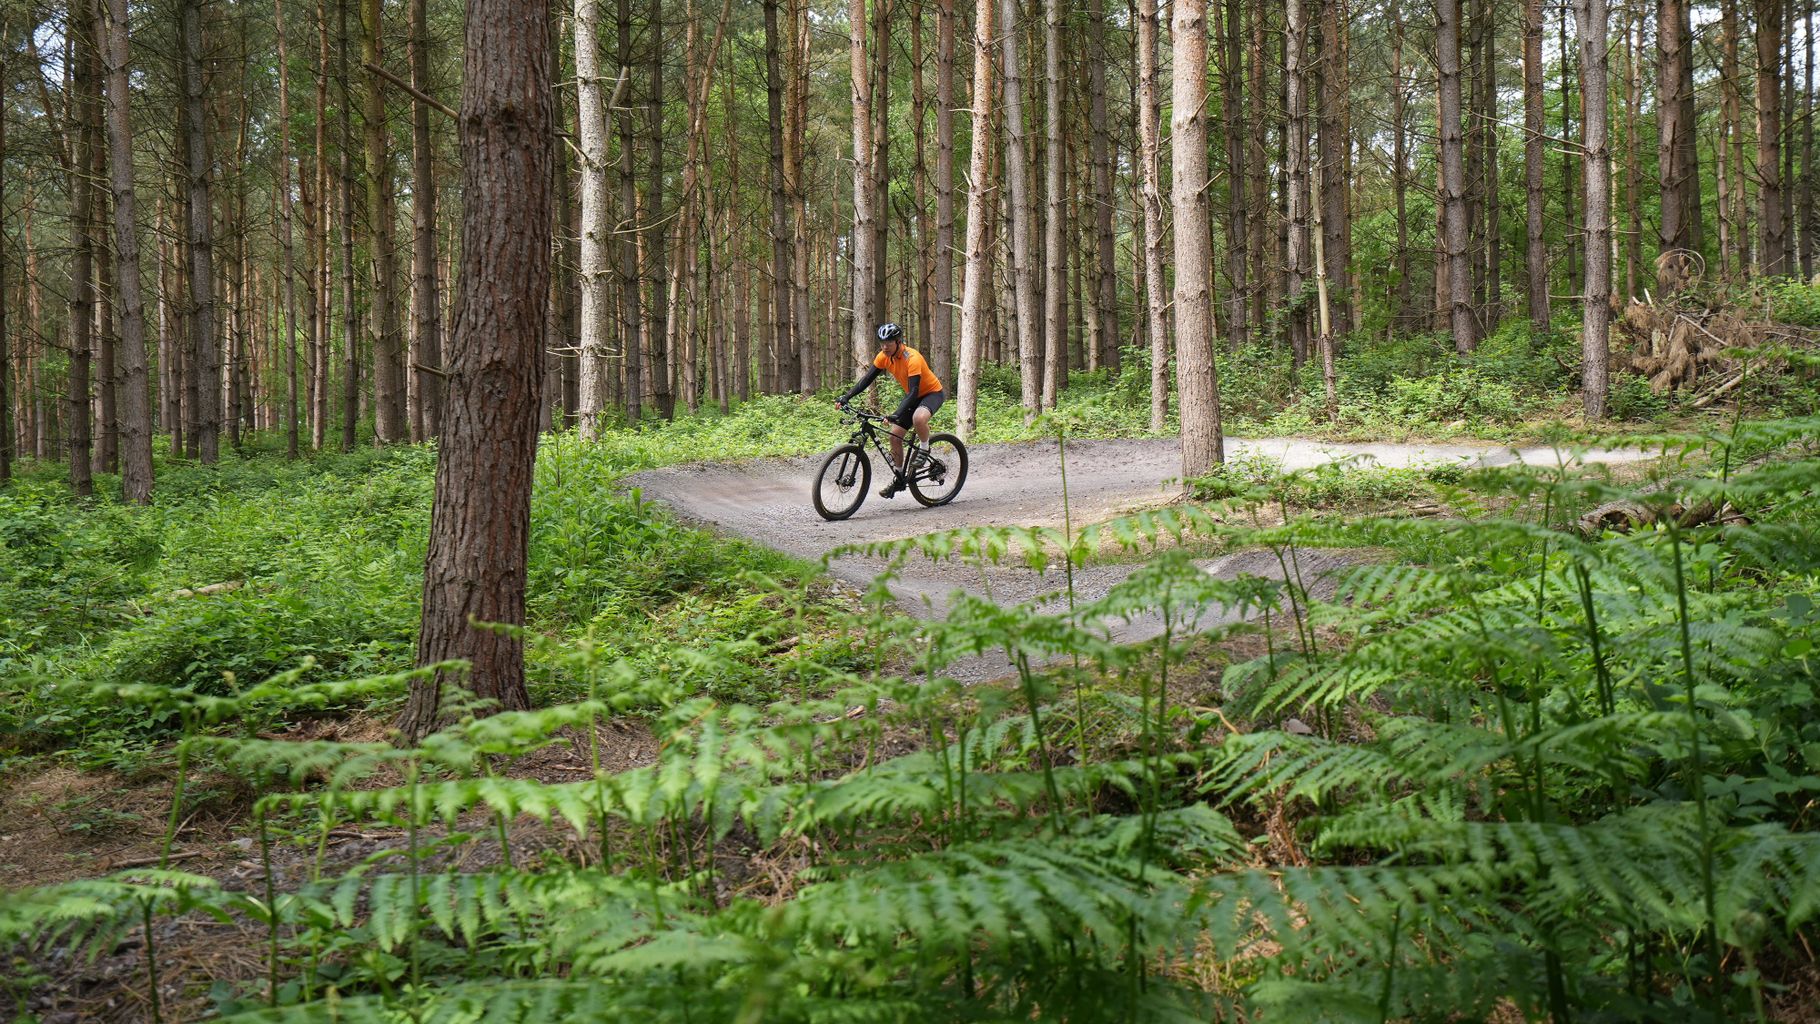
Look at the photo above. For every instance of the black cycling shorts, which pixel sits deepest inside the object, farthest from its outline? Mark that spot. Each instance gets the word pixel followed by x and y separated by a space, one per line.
pixel 931 401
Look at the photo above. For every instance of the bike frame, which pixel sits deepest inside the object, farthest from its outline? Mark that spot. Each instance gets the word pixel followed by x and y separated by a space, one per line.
pixel 869 428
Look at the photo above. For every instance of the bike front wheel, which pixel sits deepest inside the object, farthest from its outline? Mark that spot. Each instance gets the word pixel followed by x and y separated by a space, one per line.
pixel 840 485
pixel 938 477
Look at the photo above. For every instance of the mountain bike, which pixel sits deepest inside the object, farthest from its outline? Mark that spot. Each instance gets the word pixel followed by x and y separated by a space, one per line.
pixel 936 470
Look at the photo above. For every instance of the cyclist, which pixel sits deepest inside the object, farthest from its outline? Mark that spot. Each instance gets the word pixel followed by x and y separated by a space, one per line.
pixel 923 395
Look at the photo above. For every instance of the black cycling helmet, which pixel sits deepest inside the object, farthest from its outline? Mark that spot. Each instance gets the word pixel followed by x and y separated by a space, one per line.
pixel 890 332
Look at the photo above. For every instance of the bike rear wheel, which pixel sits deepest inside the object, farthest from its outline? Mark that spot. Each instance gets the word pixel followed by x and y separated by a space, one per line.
pixel 941 472
pixel 840 485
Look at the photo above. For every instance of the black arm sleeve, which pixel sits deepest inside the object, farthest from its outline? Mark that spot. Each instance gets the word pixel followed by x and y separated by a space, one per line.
pixel 864 383
pixel 910 397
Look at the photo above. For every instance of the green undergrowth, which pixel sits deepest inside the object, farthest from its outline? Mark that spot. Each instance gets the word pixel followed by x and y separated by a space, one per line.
pixel 238 572
pixel 1514 770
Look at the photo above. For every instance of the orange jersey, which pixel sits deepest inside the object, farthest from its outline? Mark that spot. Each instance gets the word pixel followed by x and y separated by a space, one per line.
pixel 909 363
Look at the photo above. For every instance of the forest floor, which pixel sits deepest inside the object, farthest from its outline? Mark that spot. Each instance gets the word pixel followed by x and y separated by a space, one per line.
pixel 1020 484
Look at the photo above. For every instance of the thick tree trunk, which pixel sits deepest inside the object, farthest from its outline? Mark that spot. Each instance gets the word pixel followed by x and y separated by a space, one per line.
pixel 9 423
pixel 480 522
pixel 1595 349
pixel 1461 318
pixel 1055 223
pixel 1023 219
pixel 1197 379
pixel 941 312
pixel 662 392
pixel 596 226
pixel 1258 218
pixel 1772 228
pixel 135 411
pixel 976 284
pixel 426 304
pixel 1535 163
pixel 1804 189
pixel 1150 145
pixel 1734 210
pixel 205 352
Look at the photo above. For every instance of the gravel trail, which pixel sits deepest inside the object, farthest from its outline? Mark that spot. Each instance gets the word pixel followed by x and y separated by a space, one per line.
pixel 767 501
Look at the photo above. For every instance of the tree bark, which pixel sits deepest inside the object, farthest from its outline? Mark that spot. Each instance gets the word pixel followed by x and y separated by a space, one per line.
pixel 1055 224
pixel 865 236
pixel 1535 164
pixel 1150 145
pixel 136 411
pixel 1197 378
pixel 1023 219
pixel 204 345
pixel 657 331
pixel 1105 286
pixel 1335 146
pixel 976 284
pixel 1772 228
pixel 1461 318
pixel 1595 350
pixel 1679 185
pixel 1232 97
pixel 426 304
pixel 287 238
pixel 1804 189
pixel 388 377
pixel 789 361
pixel 1734 210
pixel 941 312
pixel 82 263
pixel 1296 175
pixel 475 570
pixel 596 228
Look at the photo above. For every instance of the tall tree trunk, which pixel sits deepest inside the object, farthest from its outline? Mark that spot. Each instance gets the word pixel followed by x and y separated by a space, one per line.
pixel 475 570
pixel 1055 223
pixel 388 372
pixel 789 358
pixel 1150 145
pixel 1335 147
pixel 1461 319
pixel 324 313
pixel 1232 98
pixel 136 411
pixel 658 329
pixel 1674 146
pixel 865 236
pixel 941 312
pixel 9 422
pixel 204 344
pixel 1569 209
pixel 1105 287
pixel 1023 219
pixel 1592 16
pixel 287 238
pixel 1296 174
pixel 631 321
pixel 794 183
pixel 82 263
pixel 1772 228
pixel 1493 304
pixel 1535 164
pixel 350 315
pixel 1257 147
pixel 1633 160
pixel 1734 209
pixel 879 173
pixel 426 305
pixel 105 404
pixel 1197 379
pixel 596 227
pixel 976 284
pixel 1804 189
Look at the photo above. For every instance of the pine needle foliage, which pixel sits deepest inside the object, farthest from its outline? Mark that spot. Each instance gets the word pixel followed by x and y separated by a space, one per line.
pixel 1568 774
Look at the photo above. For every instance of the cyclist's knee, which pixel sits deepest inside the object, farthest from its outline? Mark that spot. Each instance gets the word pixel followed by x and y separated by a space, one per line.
pixel 921 417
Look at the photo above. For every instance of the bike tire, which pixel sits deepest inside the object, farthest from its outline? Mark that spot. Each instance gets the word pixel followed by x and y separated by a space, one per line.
pixel 948 449
pixel 851 475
